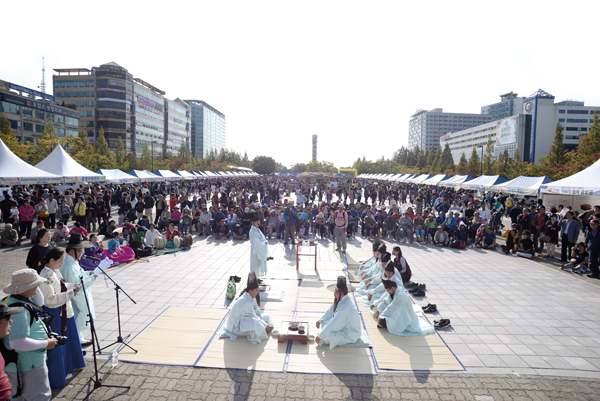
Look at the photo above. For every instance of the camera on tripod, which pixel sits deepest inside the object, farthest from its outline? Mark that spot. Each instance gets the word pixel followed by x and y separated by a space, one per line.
pixel 62 340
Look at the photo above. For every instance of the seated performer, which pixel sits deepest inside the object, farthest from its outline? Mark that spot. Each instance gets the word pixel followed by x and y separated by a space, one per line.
pixel 259 252
pixel 341 322
pixel 367 263
pixel 396 313
pixel 376 269
pixel 376 293
pixel 245 318
pixel 377 272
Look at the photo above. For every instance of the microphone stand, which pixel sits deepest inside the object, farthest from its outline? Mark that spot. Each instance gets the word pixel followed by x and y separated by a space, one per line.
pixel 95 379
pixel 120 339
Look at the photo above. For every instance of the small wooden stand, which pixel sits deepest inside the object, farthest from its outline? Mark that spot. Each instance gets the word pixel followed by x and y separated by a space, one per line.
pixel 286 334
pixel 298 254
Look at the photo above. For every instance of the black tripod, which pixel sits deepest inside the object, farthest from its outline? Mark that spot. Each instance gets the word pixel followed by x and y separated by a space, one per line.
pixel 95 379
pixel 120 339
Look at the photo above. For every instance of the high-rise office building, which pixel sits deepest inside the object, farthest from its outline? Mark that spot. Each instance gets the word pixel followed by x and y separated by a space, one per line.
pixel 314 148
pixel 28 112
pixel 208 128
pixel 110 98
pixel 427 126
pixel 509 105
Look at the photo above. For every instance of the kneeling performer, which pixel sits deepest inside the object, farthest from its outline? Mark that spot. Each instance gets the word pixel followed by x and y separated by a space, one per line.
pixel 396 313
pixel 245 318
pixel 341 322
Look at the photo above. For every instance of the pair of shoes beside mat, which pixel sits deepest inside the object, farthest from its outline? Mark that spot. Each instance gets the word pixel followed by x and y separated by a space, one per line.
pixel 430 308
pixel 441 324
pixel 235 279
pixel 414 286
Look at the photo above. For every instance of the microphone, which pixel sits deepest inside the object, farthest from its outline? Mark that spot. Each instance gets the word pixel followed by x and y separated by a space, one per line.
pixel 91 258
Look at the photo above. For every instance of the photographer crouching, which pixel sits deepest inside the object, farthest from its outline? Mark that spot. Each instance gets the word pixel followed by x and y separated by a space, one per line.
pixel 29 337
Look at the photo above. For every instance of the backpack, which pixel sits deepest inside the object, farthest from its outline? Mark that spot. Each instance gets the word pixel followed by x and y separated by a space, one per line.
pixel 231 290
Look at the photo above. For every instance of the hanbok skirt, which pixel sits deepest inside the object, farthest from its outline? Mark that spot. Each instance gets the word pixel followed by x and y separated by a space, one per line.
pixel 127 256
pixel 63 359
pixel 89 265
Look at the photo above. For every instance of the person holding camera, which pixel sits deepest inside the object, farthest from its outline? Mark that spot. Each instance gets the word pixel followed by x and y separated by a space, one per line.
pixel 57 303
pixel 26 345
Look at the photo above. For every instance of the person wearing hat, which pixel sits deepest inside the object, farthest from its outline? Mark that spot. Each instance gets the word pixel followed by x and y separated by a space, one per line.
pixel 441 237
pixel 6 313
pixel 222 231
pixel 28 376
pixel 340 218
pixel 57 302
pixel 245 318
pixel 259 251
pixel 9 236
pixel 592 243
pixel 341 323
pixel 395 312
pixel 72 272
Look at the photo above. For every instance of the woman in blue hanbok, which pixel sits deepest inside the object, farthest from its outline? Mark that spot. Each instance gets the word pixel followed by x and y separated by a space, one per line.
pixel 259 252
pixel 57 302
pixel 245 318
pixel 396 313
pixel 341 323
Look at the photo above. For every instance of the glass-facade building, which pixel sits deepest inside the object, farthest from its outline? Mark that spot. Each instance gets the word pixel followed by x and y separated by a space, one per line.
pixel 509 105
pixel 110 98
pixel 208 128
pixel 28 112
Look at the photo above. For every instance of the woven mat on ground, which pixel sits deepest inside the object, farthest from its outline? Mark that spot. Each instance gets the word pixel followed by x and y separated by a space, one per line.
pixel 313 359
pixel 191 327
pixel 394 352
pixel 314 296
pixel 268 355
pixel 353 274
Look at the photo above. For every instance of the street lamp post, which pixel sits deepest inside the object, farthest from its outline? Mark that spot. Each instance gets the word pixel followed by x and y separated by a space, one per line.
pixel 153 155
pixel 481 146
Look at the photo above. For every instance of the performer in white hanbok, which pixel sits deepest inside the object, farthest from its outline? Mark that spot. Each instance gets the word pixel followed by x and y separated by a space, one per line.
pixel 72 272
pixel 341 322
pixel 245 318
pixel 377 294
pixel 375 279
pixel 369 262
pixel 396 313
pixel 369 273
pixel 259 252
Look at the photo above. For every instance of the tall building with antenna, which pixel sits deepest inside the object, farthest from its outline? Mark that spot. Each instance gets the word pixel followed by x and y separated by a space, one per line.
pixel 314 148
pixel 43 84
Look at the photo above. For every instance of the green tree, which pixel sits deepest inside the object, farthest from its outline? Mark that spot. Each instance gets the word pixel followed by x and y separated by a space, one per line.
pixel 130 162
pixel 120 155
pixel 462 168
pixel 82 150
pixel 145 162
pixel 101 146
pixel 488 158
pixel 446 160
pixel 591 142
pixel 264 165
pixel 556 155
pixel 184 152
pixel 474 166
pixel 11 141
pixel 297 168
pixel 46 144
pixel 421 160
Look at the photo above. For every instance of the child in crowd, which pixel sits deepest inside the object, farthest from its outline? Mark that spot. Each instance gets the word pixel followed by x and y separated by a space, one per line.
pixel 579 260
pixel 525 245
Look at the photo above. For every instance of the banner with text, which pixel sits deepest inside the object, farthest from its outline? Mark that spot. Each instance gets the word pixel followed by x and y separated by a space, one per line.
pixel 507 131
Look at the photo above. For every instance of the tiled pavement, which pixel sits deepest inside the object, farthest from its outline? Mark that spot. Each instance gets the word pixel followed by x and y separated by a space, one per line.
pixel 521 328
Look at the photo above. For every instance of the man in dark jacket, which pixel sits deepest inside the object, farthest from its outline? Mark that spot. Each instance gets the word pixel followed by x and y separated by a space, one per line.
pixel 592 243
pixel 161 205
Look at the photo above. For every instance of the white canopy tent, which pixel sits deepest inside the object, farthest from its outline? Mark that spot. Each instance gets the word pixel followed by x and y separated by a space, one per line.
pixel 168 175
pixel 14 171
pixel 522 185
pixel 456 181
pixel 61 164
pixel 436 179
pixel 483 182
pixel 117 176
pixel 419 179
pixel 185 175
pixel 585 182
pixel 145 175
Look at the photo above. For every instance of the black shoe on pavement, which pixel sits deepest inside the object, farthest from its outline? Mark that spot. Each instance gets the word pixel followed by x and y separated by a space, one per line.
pixel 421 286
pixel 432 308
pixel 419 293
pixel 441 324
pixel 592 276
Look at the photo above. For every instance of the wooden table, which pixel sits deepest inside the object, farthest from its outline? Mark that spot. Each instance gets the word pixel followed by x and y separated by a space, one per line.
pixel 298 254
pixel 286 334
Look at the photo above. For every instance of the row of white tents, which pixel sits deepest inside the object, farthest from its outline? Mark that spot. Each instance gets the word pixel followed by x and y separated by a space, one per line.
pixel 520 185
pixel 583 183
pixel 59 167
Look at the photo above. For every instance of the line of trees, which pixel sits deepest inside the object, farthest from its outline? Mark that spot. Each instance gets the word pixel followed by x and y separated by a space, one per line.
pixel 100 156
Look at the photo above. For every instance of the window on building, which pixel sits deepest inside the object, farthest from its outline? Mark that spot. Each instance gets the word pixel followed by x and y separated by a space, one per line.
pixel 39 114
pixel 561 120
pixel 577 120
pixel 28 127
pixel 15 125
pixel 28 111
pixel 577 112
pixel 39 128
pixel 561 111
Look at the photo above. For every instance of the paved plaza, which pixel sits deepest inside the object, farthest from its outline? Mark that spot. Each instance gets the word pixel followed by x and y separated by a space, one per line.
pixel 522 328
